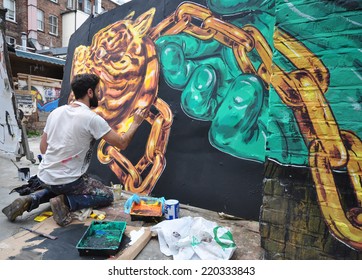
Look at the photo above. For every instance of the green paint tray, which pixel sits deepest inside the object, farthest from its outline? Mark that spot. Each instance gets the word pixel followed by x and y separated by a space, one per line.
pixel 102 238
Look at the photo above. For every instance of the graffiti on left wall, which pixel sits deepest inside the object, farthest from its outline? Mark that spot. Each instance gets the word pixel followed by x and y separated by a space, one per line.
pixel 10 133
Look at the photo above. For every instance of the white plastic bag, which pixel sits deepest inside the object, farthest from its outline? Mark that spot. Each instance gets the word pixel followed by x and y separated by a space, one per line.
pixel 194 238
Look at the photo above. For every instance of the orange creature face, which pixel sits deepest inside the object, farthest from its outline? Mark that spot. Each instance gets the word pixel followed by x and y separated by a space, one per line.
pixel 125 60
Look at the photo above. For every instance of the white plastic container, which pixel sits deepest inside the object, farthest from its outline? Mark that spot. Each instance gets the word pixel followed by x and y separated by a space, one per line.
pixel 117 192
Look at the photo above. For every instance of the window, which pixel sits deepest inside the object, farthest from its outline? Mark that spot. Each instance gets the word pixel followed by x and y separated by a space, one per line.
pixel 10 5
pixel 80 5
pixel 87 6
pixel 53 25
pixel 10 40
pixel 98 6
pixel 40 18
pixel 70 4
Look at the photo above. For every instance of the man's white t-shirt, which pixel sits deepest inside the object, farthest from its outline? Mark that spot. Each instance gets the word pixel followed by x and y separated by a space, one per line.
pixel 71 134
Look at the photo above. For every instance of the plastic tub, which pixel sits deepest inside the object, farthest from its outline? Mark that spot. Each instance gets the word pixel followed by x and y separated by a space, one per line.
pixel 102 238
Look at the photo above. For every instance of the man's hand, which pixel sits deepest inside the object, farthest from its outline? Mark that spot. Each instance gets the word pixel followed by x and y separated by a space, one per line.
pixel 122 141
pixel 140 115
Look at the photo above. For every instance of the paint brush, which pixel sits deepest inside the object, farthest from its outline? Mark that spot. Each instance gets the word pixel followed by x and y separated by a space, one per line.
pixel 15 164
pixel 40 233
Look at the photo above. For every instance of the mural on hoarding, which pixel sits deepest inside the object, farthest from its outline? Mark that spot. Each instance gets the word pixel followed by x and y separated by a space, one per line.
pixel 10 132
pixel 265 89
pixel 46 97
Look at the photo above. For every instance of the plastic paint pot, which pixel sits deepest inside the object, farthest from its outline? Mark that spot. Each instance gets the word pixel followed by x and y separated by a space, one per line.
pixel 172 209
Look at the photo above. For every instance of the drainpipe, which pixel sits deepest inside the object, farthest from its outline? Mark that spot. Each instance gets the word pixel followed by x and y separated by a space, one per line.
pixel 32 23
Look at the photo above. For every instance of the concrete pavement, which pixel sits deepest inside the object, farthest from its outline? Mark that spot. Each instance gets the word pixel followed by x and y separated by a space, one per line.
pixel 245 233
pixel 9 180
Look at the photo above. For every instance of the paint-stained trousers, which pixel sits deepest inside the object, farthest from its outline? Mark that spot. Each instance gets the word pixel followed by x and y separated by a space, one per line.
pixel 86 192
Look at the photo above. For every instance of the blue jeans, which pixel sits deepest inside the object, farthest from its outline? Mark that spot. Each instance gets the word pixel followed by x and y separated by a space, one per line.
pixel 85 192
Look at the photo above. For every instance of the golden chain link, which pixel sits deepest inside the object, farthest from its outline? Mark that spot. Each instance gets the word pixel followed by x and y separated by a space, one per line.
pixel 155 149
pixel 303 91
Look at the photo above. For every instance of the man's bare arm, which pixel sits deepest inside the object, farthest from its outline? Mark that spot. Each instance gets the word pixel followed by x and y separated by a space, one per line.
pixel 122 141
pixel 43 143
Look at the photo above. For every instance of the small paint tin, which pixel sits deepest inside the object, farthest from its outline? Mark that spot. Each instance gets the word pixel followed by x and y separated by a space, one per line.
pixel 172 209
pixel 24 173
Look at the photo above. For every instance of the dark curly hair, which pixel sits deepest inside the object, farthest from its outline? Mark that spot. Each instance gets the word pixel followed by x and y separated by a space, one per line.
pixel 82 82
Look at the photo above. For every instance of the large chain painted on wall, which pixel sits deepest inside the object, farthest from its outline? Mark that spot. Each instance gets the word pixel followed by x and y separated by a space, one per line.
pixel 126 49
pixel 125 60
pixel 302 90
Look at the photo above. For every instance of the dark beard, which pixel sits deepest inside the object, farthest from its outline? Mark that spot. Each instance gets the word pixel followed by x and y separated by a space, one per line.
pixel 94 101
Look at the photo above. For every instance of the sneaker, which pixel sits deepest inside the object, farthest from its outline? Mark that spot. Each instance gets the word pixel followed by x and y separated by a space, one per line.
pixel 17 208
pixel 61 212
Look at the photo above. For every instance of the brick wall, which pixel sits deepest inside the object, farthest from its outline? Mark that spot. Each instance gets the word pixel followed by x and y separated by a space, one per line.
pixel 108 5
pixel 36 122
pixel 14 29
pixel 291 224
pixel 51 8
pixel 326 39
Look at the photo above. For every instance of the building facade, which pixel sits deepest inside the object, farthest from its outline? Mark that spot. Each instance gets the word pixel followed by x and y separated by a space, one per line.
pixel 37 33
pixel 40 25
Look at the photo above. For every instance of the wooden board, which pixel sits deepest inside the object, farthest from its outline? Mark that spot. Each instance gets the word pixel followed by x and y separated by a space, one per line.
pixel 131 252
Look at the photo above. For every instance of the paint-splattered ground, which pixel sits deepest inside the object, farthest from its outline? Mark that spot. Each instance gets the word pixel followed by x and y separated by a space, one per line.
pixel 26 246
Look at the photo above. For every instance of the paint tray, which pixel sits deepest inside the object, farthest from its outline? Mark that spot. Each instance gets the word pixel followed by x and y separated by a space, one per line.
pixel 102 238
pixel 148 208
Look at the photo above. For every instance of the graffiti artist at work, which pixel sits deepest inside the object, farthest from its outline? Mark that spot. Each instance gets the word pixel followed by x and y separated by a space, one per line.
pixel 67 142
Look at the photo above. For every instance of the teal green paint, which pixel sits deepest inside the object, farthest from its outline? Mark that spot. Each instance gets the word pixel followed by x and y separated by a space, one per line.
pixel 246 119
pixel 231 7
pixel 198 99
pixel 238 127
